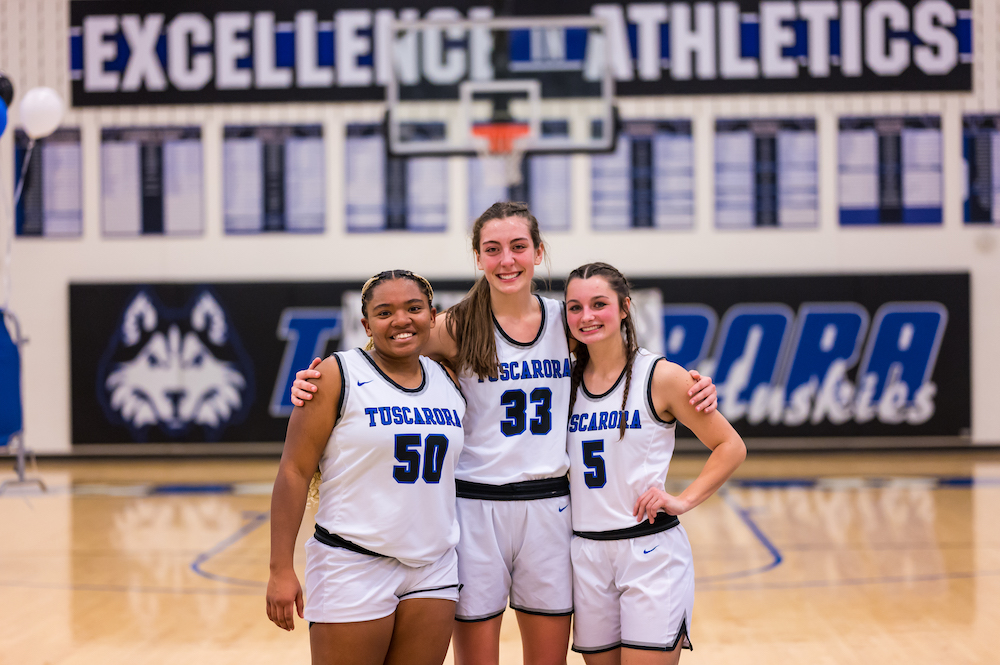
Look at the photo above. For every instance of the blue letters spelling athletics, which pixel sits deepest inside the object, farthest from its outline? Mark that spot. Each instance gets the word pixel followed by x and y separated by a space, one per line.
pixel 389 415
pixel 536 369
pixel 592 422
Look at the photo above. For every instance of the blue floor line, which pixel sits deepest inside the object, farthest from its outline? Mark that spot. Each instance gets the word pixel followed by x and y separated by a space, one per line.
pixel 860 581
pixel 744 515
pixel 255 523
pixel 192 488
pixel 866 482
pixel 127 588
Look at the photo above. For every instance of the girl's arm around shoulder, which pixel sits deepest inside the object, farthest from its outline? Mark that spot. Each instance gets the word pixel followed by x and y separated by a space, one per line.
pixel 441 346
pixel 671 383
pixel 453 375
pixel 309 429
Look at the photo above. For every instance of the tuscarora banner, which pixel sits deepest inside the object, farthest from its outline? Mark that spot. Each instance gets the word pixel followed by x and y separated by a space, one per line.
pixel 215 51
pixel 802 356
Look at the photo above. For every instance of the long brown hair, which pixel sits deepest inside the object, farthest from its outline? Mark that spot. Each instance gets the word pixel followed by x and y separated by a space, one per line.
pixel 470 322
pixel 620 286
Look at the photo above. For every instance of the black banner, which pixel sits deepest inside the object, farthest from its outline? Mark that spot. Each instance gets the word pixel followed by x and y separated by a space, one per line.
pixel 815 356
pixel 215 51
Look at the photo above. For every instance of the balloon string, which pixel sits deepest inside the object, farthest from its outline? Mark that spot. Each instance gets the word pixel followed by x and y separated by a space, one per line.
pixel 11 227
pixel 24 172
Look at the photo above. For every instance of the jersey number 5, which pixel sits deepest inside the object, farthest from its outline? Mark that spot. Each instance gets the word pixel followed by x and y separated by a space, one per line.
pixel 517 407
pixel 597 476
pixel 408 452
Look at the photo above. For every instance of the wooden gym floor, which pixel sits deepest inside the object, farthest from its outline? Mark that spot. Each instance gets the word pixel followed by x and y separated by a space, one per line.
pixel 889 558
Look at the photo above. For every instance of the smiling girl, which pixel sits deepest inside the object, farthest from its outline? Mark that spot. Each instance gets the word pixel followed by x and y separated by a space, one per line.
pixel 385 432
pixel 633 577
pixel 511 352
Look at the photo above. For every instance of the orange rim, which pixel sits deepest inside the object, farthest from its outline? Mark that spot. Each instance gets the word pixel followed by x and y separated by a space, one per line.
pixel 501 135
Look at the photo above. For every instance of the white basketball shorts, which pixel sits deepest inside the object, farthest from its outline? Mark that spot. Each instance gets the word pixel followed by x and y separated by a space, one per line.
pixel 344 586
pixel 636 593
pixel 515 549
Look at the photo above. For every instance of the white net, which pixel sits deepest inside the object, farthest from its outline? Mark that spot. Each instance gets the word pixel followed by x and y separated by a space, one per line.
pixel 501 170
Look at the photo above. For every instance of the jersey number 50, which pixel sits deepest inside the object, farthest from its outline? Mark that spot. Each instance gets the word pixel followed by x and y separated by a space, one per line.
pixel 407 452
pixel 517 406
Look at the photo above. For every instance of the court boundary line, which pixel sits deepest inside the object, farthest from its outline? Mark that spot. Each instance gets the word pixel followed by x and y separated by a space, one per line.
pixel 744 515
pixel 858 581
pixel 936 483
pixel 252 525
pixel 121 588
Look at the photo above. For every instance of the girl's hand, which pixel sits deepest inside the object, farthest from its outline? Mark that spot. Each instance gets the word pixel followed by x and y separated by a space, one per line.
pixel 653 501
pixel 302 390
pixel 702 393
pixel 283 591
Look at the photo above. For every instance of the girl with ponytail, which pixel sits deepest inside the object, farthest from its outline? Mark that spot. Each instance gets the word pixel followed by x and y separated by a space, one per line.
pixel 633 578
pixel 511 351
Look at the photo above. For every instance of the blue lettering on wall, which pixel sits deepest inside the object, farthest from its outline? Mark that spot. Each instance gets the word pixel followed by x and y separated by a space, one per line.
pixel 750 344
pixel 763 373
pixel 687 333
pixel 825 333
pixel 903 346
pixel 306 331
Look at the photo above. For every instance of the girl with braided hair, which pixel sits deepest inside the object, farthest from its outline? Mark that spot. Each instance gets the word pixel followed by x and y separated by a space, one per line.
pixel 511 352
pixel 385 432
pixel 633 578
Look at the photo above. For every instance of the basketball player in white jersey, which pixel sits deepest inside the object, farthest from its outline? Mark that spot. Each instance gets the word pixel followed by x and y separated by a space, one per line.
pixel 385 432
pixel 511 352
pixel 633 578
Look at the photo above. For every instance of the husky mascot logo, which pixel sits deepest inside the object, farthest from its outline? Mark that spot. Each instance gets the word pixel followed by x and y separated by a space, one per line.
pixel 173 369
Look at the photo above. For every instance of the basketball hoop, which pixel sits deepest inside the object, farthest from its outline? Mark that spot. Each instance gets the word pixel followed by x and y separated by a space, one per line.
pixel 500 142
pixel 529 89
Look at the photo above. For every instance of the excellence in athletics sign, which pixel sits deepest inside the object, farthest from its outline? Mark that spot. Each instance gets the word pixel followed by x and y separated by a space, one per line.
pixel 210 51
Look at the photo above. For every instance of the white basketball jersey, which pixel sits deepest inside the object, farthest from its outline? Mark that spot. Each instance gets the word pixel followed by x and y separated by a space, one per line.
pixel 389 466
pixel 516 424
pixel 606 475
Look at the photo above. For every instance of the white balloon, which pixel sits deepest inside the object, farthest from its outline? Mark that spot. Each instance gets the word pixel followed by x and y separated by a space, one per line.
pixel 41 112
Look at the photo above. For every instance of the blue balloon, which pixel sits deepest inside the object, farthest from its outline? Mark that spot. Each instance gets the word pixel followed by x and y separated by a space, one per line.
pixel 3 117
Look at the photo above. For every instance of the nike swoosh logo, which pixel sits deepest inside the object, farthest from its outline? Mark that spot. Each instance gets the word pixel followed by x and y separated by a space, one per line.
pixel 361 383
pixel 648 551
pixel 563 508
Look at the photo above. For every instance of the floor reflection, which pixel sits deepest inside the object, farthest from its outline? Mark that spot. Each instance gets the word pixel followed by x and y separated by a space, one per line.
pixel 806 558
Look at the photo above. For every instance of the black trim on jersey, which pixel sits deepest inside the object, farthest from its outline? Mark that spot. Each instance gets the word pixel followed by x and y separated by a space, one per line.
pixel 333 540
pixel 487 618
pixel 649 394
pixel 541 328
pixel 542 613
pixel 609 390
pixel 526 490
pixel 343 388
pixel 433 588
pixel 663 522
pixel 453 382
pixel 423 375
